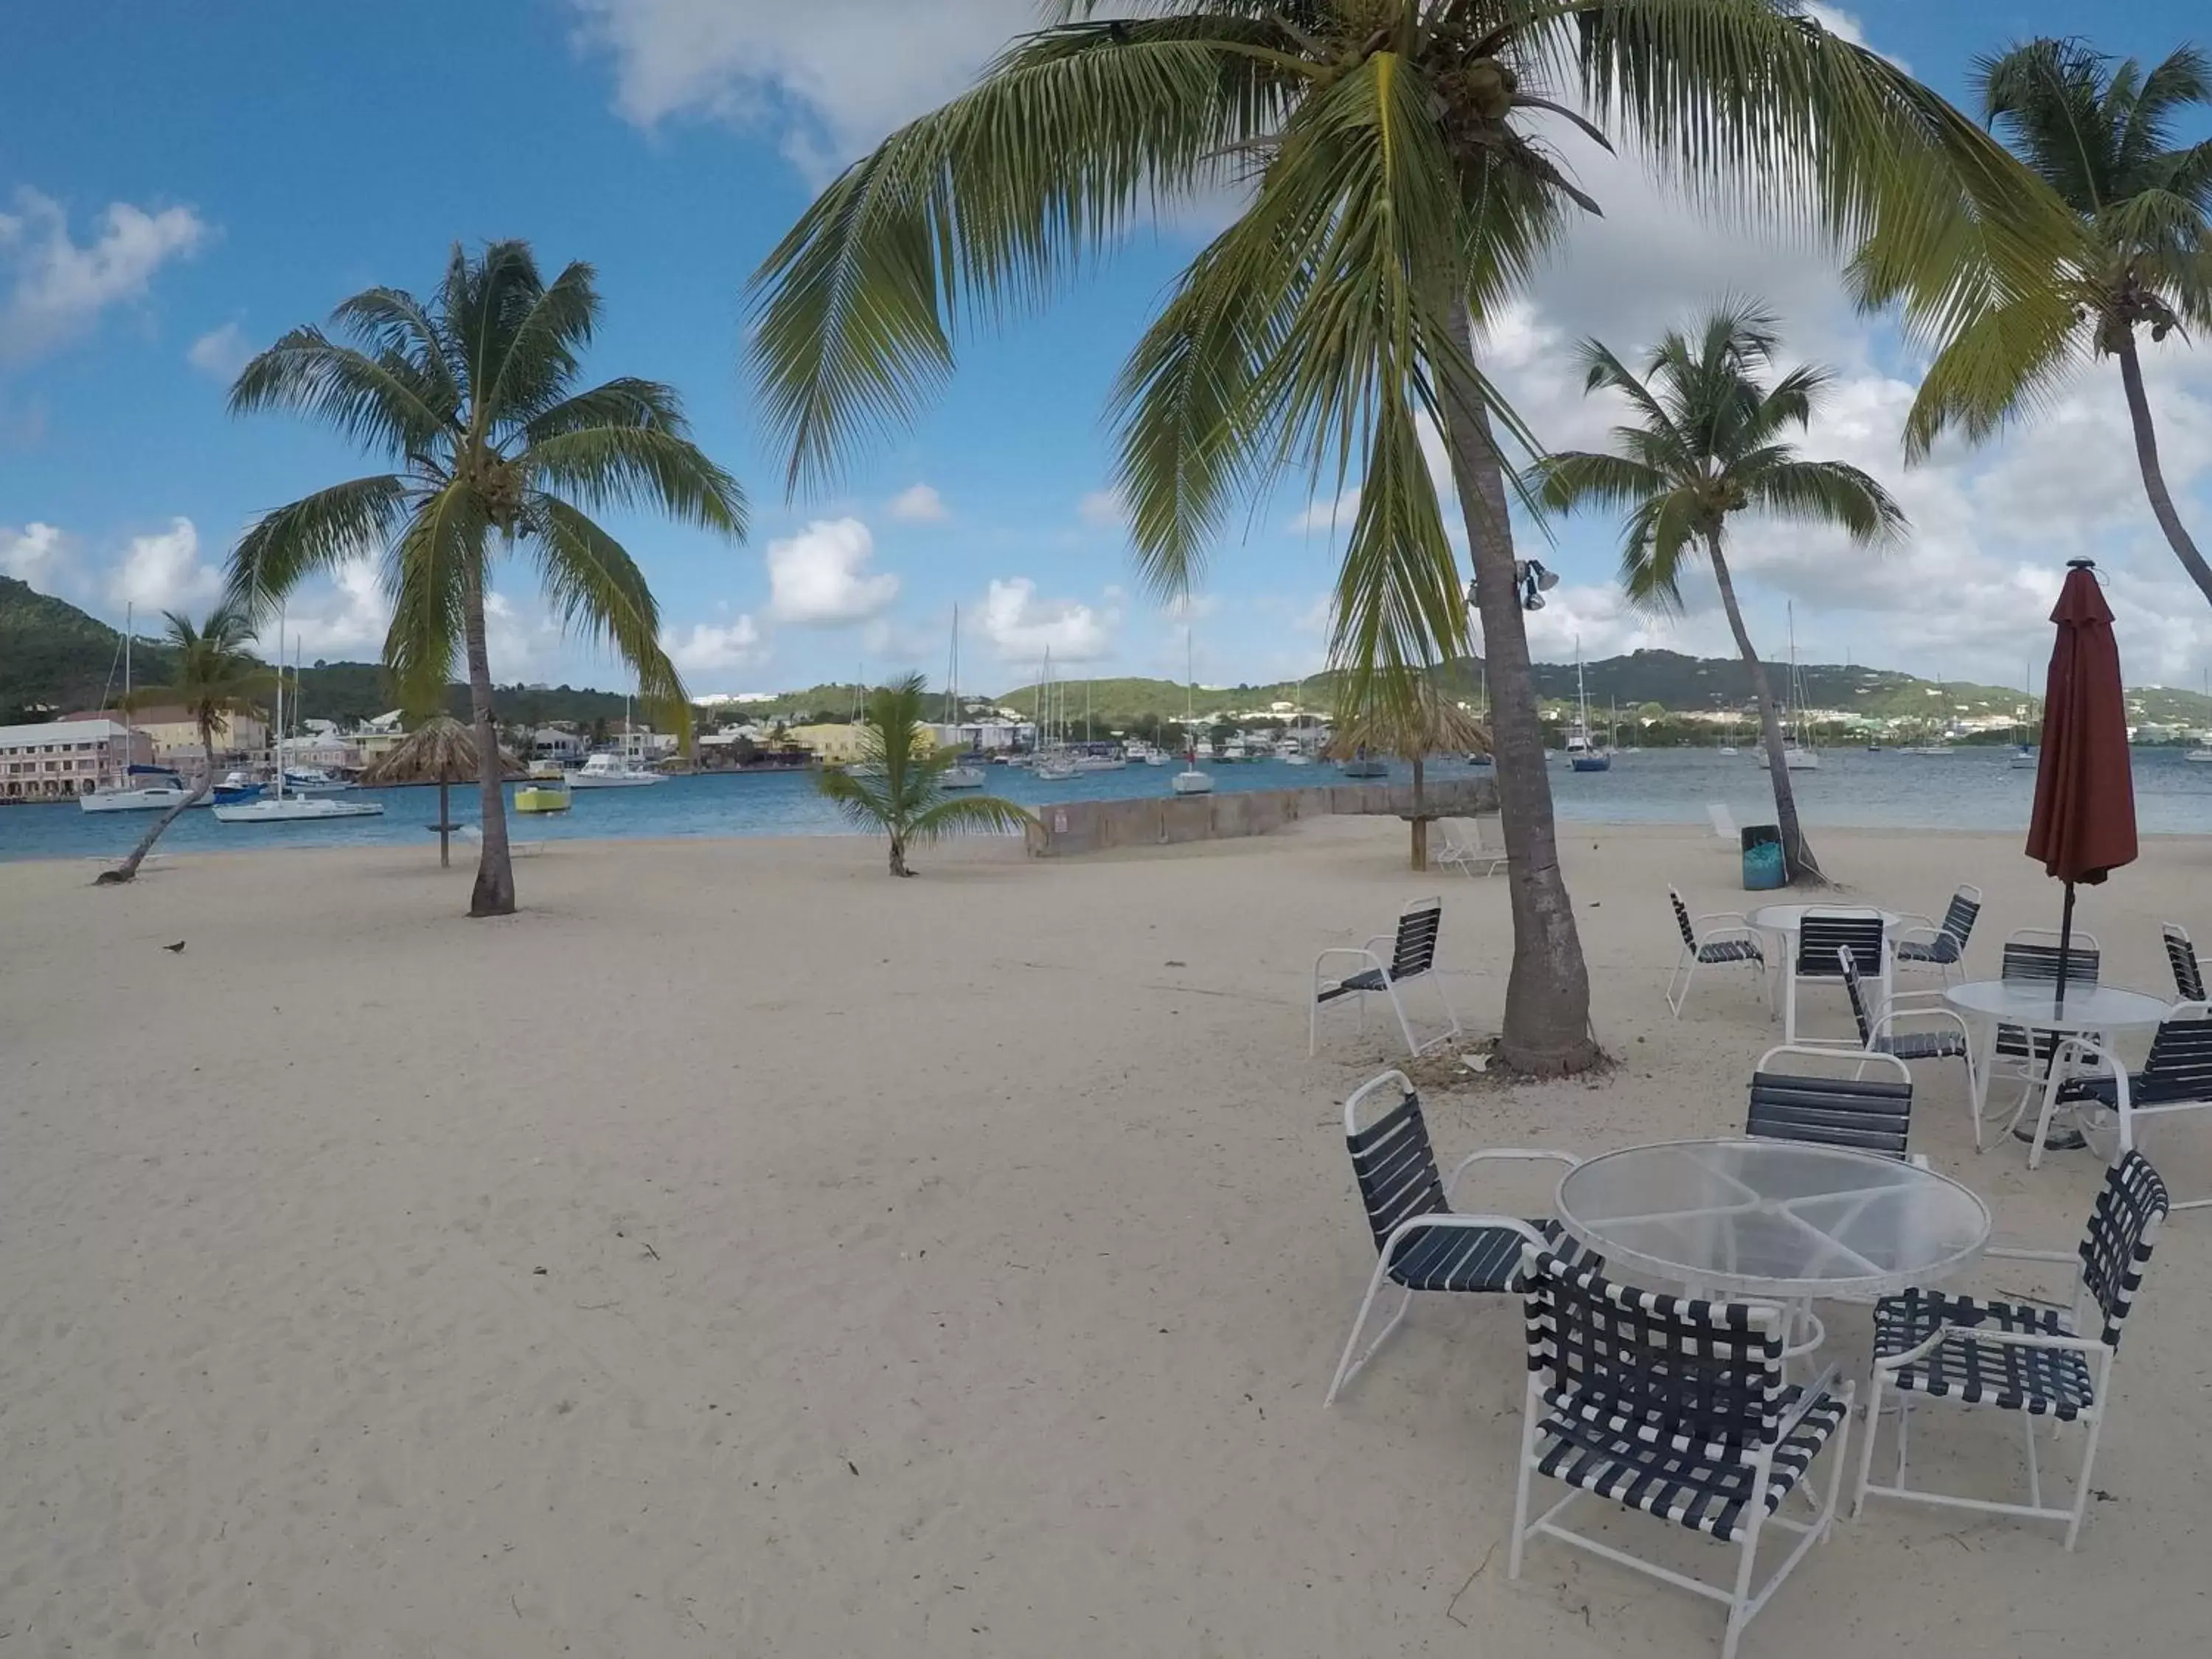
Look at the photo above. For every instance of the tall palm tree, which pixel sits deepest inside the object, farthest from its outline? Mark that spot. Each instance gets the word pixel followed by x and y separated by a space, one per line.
pixel 1705 444
pixel 897 788
pixel 1395 158
pixel 214 679
pixel 2101 135
pixel 472 394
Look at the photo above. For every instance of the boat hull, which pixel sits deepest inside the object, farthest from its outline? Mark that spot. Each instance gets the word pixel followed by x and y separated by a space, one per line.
pixel 1591 763
pixel 1193 782
pixel 315 809
pixel 136 800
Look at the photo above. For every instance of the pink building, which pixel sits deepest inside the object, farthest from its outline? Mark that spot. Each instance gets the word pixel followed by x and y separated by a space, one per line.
pixel 64 758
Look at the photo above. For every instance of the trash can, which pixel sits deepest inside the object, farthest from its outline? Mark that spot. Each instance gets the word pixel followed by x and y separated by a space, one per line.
pixel 1762 858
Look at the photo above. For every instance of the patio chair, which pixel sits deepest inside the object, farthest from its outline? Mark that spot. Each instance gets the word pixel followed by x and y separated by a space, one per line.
pixel 470 835
pixel 2176 1077
pixel 1724 822
pixel 1918 943
pixel 1866 1115
pixel 1421 1243
pixel 1413 956
pixel 2031 956
pixel 2181 956
pixel 1825 931
pixel 1676 1407
pixel 1734 941
pixel 1878 1035
pixel 2024 1357
pixel 1463 848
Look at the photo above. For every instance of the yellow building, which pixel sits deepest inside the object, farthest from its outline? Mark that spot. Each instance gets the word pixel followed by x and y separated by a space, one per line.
pixel 176 736
pixel 841 745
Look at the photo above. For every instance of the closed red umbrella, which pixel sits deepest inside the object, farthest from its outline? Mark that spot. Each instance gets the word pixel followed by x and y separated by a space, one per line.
pixel 2084 824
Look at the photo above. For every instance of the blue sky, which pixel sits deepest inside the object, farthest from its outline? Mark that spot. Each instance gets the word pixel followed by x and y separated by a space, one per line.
pixel 178 184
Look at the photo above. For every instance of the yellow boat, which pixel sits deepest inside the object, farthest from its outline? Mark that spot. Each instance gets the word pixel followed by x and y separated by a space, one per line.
pixel 542 798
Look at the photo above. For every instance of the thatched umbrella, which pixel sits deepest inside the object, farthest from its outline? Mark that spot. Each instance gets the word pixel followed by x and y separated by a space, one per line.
pixel 1413 719
pixel 442 750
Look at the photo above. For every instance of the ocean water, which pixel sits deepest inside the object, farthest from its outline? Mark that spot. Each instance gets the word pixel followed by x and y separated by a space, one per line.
pixel 1968 789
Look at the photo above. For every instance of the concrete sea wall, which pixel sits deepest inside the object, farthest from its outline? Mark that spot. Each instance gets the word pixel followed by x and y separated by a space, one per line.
pixel 1068 828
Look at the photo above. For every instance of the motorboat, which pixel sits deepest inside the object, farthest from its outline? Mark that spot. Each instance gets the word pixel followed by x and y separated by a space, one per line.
pixel 1729 751
pixel 1191 781
pixel 2199 757
pixel 607 770
pixel 1801 760
pixel 961 777
pixel 312 781
pixel 2024 759
pixel 1363 766
pixel 236 789
pixel 536 795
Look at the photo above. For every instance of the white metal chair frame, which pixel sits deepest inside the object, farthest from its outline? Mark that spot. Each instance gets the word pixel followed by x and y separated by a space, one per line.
pixel 1914 928
pixel 2090 1052
pixel 1790 971
pixel 1724 822
pixel 1882 1024
pixel 1742 1602
pixel 1374 962
pixel 1738 930
pixel 2098 1352
pixel 1349 1367
pixel 1463 855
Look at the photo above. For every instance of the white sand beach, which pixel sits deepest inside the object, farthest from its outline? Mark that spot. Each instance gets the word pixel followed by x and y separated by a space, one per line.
pixel 741 1253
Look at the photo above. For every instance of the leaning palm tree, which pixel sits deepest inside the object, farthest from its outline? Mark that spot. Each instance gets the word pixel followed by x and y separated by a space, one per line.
pixel 895 789
pixel 1413 719
pixel 1395 161
pixel 214 679
pixel 1704 443
pixel 2101 135
pixel 472 394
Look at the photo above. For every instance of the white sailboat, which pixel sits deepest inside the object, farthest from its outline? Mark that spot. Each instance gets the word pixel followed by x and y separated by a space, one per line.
pixel 1190 781
pixel 164 788
pixel 956 776
pixel 1581 754
pixel 2202 754
pixel 298 809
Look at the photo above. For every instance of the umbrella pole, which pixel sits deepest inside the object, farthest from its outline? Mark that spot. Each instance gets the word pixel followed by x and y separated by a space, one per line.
pixel 2066 1139
pixel 445 820
pixel 2065 946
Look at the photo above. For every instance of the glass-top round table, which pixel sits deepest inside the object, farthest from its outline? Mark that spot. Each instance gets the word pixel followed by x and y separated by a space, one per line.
pixel 1772 1218
pixel 1987 1004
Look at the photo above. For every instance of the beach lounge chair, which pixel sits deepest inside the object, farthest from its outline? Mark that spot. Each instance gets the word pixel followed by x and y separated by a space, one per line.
pixel 2176 1077
pixel 1824 930
pixel 1878 1033
pixel 1921 943
pixel 1867 1114
pixel 2024 1357
pixel 1413 956
pixel 1421 1243
pixel 2181 956
pixel 1724 822
pixel 472 835
pixel 1464 849
pixel 1734 940
pixel 1676 1406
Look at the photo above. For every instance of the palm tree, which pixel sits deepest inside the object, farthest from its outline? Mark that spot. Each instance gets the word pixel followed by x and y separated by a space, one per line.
pixel 472 395
pixel 1704 445
pixel 214 679
pixel 895 789
pixel 1395 160
pixel 2102 138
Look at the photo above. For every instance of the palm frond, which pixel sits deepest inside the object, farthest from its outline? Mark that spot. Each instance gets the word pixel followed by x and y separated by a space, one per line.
pixel 436 562
pixel 626 401
pixel 316 533
pixel 634 466
pixel 1828 492
pixel 1568 479
pixel 956 812
pixel 385 404
pixel 593 588
pixel 540 356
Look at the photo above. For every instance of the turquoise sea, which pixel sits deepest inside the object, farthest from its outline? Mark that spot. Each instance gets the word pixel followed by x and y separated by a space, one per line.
pixel 1968 789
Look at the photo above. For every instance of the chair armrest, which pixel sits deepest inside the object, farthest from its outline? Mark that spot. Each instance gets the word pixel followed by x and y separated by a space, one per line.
pixel 1454 1220
pixel 1920 923
pixel 1361 952
pixel 1523 1154
pixel 1923 1013
pixel 1815 1391
pixel 1742 921
pixel 1920 1351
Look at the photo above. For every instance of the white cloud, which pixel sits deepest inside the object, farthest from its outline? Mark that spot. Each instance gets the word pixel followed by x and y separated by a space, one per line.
pixel 38 554
pixel 1104 508
pixel 57 287
pixel 1023 627
pixel 345 618
pixel 221 352
pixel 819 578
pixel 711 648
pixel 1184 608
pixel 163 571
pixel 919 504
pixel 829 78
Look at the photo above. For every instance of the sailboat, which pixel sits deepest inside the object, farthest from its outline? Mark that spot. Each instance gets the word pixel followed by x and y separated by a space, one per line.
pixel 1799 756
pixel 1483 682
pixel 1727 737
pixel 614 771
pixel 956 776
pixel 1582 754
pixel 163 787
pixel 2023 755
pixel 1190 781
pixel 1053 763
pixel 2202 754
pixel 298 809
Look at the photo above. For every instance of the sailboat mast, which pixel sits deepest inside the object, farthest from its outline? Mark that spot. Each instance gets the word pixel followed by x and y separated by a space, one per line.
pixel 130 744
pixel 277 736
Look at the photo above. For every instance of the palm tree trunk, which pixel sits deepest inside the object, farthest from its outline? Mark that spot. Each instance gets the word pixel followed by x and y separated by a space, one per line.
pixel 2153 476
pixel 1796 856
pixel 493 895
pixel 1420 824
pixel 445 824
pixel 898 855
pixel 1546 1028
pixel 128 870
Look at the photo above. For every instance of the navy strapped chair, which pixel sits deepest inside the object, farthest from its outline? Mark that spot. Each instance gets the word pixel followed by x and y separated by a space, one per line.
pixel 1921 943
pixel 1421 1243
pixel 2181 956
pixel 1878 1035
pixel 2109 1103
pixel 1677 1408
pixel 1706 946
pixel 1413 956
pixel 1868 1114
pixel 2031 956
pixel 2024 1357
pixel 1824 930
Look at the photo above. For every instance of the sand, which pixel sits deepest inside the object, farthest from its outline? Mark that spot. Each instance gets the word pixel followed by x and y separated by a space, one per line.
pixel 741 1253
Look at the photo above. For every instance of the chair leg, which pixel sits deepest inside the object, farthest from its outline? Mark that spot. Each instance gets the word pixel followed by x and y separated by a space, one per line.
pixel 1866 1451
pixel 2034 1473
pixel 1450 1013
pixel 1739 1604
pixel 1790 1007
pixel 2082 1480
pixel 1348 1367
pixel 1405 1025
pixel 1529 1402
pixel 1686 970
pixel 1974 1095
